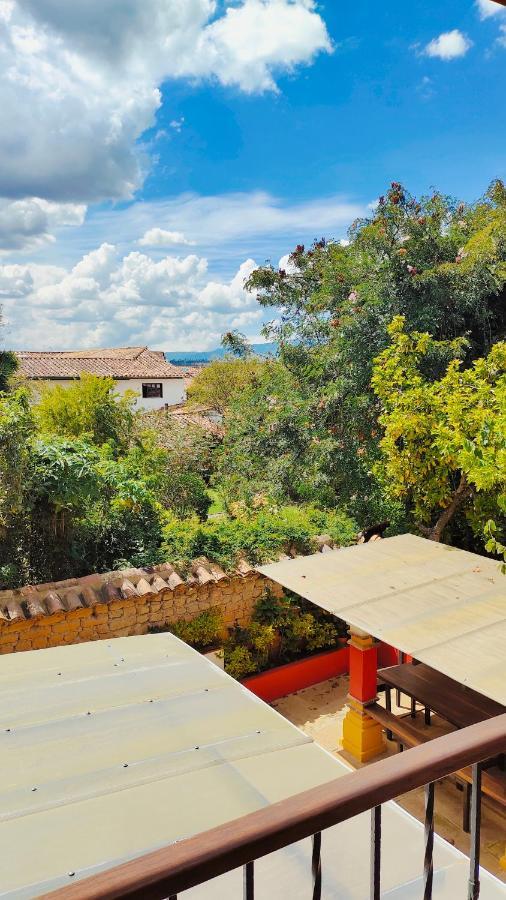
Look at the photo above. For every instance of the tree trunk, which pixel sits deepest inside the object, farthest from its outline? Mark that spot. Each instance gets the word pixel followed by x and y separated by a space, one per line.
pixel 463 491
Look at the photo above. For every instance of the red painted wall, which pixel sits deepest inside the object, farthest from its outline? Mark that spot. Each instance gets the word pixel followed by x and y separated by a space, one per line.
pixel 303 673
pixel 299 674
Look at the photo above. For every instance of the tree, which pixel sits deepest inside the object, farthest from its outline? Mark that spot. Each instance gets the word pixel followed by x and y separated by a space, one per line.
pixel 444 440
pixel 271 448
pixel 236 343
pixel 89 408
pixel 217 383
pixel 440 264
pixel 8 365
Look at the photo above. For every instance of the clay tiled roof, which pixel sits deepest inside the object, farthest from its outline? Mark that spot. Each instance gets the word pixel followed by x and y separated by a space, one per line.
pixel 116 362
pixel 34 601
pixel 199 416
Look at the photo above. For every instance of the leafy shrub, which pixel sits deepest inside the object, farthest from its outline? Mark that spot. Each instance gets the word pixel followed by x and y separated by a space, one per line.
pixel 260 536
pixel 201 632
pixel 239 662
pixel 186 493
pixel 282 630
pixel 89 408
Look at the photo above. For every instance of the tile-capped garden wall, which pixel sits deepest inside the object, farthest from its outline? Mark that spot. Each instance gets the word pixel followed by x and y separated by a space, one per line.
pixel 123 603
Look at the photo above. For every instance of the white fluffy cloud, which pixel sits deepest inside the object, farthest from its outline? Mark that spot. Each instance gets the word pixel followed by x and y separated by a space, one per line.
pixel 108 299
pixel 487 8
pixel 249 41
pixel 28 223
pixel 449 45
pixel 160 237
pixel 80 80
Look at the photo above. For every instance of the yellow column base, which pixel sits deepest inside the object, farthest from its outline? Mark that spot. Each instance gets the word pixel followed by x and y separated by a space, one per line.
pixel 502 861
pixel 362 735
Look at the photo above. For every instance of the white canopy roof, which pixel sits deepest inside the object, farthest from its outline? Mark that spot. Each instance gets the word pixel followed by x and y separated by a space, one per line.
pixel 446 607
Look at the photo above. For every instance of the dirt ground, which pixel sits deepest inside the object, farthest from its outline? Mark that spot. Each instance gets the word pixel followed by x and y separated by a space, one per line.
pixel 319 712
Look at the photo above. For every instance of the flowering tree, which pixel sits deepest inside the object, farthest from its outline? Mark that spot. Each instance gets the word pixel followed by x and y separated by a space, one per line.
pixel 439 263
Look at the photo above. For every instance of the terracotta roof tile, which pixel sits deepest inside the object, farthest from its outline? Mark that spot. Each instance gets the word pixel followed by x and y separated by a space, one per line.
pixel 53 602
pixel 127 589
pixel 158 585
pixel 34 606
pixel 143 587
pixel 72 600
pixel 197 416
pixel 118 363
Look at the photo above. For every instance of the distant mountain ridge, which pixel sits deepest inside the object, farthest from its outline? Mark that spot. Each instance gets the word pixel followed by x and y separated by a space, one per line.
pixel 191 357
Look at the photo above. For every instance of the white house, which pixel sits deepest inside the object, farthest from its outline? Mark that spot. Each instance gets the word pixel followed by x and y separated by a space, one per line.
pixel 139 369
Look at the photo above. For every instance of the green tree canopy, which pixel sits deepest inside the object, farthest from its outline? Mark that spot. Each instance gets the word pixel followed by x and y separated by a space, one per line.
pixel 217 384
pixel 444 441
pixel 89 408
pixel 439 263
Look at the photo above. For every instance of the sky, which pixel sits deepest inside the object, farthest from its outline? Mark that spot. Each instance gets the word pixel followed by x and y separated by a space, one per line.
pixel 154 152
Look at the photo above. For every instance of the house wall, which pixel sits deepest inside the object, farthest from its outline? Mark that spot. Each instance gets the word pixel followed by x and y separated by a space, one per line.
pixel 174 390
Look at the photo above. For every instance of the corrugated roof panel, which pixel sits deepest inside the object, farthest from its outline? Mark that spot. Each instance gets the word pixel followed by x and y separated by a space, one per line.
pixel 446 606
pixel 111 748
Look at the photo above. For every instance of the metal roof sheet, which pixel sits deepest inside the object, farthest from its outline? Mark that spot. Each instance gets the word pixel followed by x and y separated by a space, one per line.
pixel 445 606
pixel 111 748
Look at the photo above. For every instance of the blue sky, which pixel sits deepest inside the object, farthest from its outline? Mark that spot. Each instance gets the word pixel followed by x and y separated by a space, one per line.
pixel 156 155
pixel 373 111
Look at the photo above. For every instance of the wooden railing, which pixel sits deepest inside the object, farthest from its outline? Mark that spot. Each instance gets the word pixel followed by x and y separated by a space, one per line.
pixel 165 873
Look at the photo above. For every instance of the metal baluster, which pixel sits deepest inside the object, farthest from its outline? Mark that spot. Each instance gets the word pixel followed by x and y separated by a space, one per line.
pixel 248 881
pixel 316 866
pixel 401 658
pixel 375 852
pixel 429 841
pixel 474 867
pixel 388 707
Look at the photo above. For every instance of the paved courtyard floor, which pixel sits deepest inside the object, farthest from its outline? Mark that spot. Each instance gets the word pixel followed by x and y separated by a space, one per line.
pixel 319 712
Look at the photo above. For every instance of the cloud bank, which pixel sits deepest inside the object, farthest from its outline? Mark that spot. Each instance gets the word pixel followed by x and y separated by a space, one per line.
pixel 109 299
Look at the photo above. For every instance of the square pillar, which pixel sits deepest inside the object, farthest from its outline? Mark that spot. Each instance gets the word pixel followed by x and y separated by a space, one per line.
pixel 362 736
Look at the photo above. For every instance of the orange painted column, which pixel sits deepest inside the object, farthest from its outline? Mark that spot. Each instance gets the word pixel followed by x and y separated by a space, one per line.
pixel 362 735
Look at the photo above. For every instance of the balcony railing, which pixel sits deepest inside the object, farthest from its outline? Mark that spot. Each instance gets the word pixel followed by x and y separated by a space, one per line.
pixel 165 873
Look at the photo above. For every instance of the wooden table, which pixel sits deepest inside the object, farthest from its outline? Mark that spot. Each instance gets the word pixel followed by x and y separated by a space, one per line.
pixel 459 705
pixel 452 701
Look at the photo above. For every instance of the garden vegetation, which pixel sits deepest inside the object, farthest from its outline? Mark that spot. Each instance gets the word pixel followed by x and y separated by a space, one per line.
pixel 386 400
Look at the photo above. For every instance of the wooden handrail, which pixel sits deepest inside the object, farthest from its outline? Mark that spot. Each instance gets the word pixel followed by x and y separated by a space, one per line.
pixel 183 865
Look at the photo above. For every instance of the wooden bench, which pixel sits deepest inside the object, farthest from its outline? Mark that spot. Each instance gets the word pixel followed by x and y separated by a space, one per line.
pixel 399 728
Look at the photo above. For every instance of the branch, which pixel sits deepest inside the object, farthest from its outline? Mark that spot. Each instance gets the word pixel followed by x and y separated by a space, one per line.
pixel 462 493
